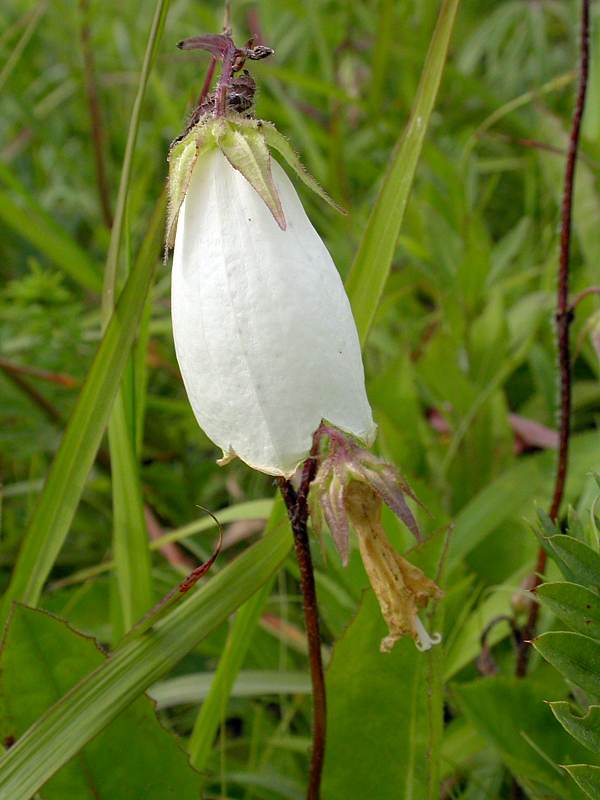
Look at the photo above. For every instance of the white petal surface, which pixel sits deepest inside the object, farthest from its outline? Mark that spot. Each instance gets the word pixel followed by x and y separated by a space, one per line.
pixel 263 329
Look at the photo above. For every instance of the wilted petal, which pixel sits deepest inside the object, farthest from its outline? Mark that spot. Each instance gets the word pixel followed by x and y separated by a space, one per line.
pixel 400 587
pixel 335 514
pixel 263 329
pixel 391 490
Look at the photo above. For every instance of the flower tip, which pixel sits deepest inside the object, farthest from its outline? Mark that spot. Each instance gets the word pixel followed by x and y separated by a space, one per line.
pixel 388 643
pixel 424 641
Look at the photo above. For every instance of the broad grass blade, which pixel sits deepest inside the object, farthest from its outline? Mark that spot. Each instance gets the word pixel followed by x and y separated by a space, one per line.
pixel 96 700
pixel 373 261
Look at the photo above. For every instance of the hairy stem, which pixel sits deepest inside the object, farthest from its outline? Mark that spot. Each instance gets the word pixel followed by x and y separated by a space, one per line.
pixel 297 506
pixel 564 317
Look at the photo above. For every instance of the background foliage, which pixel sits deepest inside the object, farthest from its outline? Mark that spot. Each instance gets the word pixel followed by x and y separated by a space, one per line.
pixel 461 373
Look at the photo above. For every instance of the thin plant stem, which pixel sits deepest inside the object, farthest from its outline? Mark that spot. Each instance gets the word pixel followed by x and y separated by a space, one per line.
pixel 91 90
pixel 564 317
pixel 207 81
pixel 297 506
pixel 591 290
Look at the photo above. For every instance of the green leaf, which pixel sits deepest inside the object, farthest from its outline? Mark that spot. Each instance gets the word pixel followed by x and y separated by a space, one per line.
pixel 575 656
pixel 511 715
pixel 585 729
pixel 134 666
pixel 574 604
pixel 377 713
pixel 373 261
pixel 41 659
pixel 587 778
pixel 384 712
pixel 65 483
pixel 581 561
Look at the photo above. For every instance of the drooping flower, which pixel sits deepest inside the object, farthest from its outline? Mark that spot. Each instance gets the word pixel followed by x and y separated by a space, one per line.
pixel 350 487
pixel 263 329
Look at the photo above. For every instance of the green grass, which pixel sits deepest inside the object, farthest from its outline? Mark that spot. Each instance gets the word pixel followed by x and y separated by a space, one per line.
pixel 428 121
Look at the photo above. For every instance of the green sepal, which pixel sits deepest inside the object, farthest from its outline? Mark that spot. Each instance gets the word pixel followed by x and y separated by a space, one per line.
pixel 277 141
pixel 245 143
pixel 247 152
pixel 182 159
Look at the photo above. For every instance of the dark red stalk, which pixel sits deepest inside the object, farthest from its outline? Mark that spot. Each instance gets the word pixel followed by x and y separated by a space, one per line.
pixel 564 318
pixel 297 506
pixel 91 90
pixel 207 81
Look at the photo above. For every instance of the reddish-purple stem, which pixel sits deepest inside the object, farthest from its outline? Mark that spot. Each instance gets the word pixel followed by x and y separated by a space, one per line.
pixel 207 81
pixel 564 318
pixel 297 506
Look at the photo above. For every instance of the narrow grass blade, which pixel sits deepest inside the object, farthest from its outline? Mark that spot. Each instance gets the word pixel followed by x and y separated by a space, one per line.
pixel 373 261
pixel 213 708
pixel 85 710
pixel 35 17
pixel 230 663
pixel 130 538
pixel 64 486
pixel 109 290
pixel 197 686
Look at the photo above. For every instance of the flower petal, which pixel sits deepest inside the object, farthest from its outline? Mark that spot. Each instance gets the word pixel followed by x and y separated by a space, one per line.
pixel 263 329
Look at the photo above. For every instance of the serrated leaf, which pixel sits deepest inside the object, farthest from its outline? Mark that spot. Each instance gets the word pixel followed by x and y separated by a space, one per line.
pixel 581 561
pixel 248 153
pixel 587 778
pixel 574 604
pixel 575 656
pixel 585 729
pixel 512 716
pixel 546 546
pixel 276 140
pixel 42 658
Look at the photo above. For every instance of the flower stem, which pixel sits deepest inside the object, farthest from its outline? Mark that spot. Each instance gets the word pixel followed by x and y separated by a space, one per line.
pixel 564 318
pixel 297 506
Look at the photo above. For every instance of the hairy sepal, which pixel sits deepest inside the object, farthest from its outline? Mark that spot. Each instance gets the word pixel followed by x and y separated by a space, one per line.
pixel 245 143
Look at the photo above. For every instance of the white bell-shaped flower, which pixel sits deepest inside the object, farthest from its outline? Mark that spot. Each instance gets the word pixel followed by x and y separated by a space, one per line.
pixel 263 329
